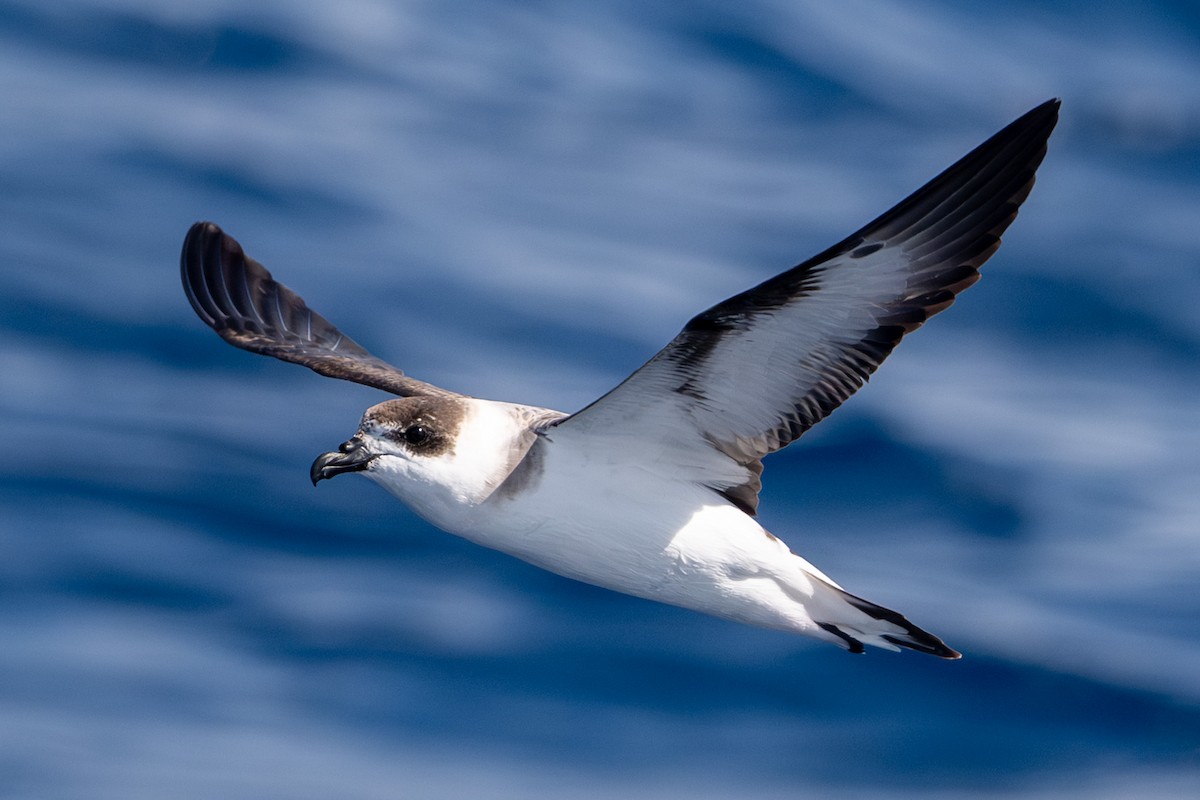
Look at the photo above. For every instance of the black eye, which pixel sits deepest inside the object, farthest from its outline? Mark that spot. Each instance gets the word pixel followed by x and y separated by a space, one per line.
pixel 416 434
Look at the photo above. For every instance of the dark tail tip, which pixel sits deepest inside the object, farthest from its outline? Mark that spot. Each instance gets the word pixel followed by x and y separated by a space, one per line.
pixel 913 638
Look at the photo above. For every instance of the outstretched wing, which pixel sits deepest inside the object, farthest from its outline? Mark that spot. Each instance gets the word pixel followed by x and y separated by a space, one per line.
pixel 753 373
pixel 237 297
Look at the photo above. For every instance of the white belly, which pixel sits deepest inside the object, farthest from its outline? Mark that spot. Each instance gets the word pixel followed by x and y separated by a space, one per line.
pixel 652 536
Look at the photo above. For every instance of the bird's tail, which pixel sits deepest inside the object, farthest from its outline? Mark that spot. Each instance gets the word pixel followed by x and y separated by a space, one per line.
pixel 852 622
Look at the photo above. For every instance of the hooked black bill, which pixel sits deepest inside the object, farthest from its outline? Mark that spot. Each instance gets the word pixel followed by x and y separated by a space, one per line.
pixel 351 456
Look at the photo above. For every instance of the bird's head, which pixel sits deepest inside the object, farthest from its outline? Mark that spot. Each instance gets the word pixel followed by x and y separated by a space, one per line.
pixel 437 454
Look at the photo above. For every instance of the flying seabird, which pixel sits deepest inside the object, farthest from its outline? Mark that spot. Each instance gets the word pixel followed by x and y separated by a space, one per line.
pixel 652 490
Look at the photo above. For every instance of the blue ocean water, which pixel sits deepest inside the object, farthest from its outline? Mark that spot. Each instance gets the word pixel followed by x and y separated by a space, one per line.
pixel 524 201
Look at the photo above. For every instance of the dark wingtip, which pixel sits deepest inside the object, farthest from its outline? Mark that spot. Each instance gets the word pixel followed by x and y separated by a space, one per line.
pixel 214 268
pixel 196 246
pixel 1043 115
pixel 234 294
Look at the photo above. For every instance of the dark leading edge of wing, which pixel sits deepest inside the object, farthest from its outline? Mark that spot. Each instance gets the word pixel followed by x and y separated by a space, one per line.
pixel 754 372
pixel 237 297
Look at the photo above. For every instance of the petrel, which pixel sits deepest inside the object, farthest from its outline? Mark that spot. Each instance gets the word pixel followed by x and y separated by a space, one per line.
pixel 652 490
